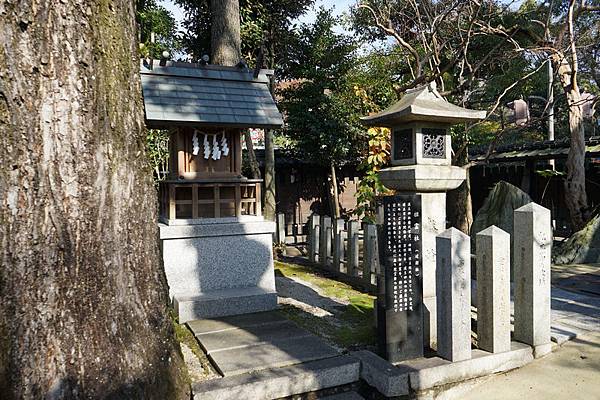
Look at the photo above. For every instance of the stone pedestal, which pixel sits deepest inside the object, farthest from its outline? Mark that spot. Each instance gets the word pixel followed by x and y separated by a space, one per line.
pixel 219 267
pixel 431 182
pixel 493 290
pixel 454 295
pixel 533 243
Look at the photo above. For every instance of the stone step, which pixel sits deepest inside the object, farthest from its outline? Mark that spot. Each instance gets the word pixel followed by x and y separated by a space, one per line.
pixel 281 382
pixel 250 336
pixel 274 354
pixel 218 303
pixel 343 396
pixel 199 327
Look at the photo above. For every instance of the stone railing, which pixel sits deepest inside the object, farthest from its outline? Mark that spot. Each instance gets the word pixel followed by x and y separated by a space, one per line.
pixel 533 240
pixel 348 247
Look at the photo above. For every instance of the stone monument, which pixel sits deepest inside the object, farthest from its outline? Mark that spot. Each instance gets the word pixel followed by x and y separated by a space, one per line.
pixel 400 300
pixel 421 164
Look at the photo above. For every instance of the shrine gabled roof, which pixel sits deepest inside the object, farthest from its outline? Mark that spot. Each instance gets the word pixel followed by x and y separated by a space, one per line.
pixel 423 104
pixel 194 95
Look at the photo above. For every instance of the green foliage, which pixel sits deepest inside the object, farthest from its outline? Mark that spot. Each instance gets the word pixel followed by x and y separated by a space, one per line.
pixel 154 18
pixel 322 114
pixel 157 151
pixel 370 185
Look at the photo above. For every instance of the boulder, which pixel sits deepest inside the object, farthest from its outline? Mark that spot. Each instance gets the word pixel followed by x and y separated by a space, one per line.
pixel 582 247
pixel 498 208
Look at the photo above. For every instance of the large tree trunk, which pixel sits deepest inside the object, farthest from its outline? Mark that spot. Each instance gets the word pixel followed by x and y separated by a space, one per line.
pixel 270 202
pixel 459 207
pixel 575 193
pixel 84 303
pixel 255 170
pixel 225 39
pixel 225 42
pixel 334 196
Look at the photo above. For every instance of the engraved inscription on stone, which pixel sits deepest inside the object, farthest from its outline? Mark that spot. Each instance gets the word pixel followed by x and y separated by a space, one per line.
pixel 402 232
pixel 434 143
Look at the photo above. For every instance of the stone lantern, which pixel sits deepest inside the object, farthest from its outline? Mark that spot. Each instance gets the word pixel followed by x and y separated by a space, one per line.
pixel 421 165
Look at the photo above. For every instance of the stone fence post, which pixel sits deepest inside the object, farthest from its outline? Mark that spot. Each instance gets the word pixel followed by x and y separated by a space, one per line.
pixel 353 252
pixel 453 295
pixel 281 228
pixel 325 239
pixel 493 290
pixel 532 247
pixel 370 254
pixel 313 241
pixel 338 245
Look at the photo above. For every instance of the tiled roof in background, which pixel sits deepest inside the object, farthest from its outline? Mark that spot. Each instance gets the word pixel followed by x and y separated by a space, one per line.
pixel 193 95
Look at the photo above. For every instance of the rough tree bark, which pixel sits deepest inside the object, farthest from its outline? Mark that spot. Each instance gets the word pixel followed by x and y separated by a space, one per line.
pixel 334 196
pixel 225 40
pixel 575 193
pixel 459 205
pixel 84 304
pixel 225 44
pixel 251 155
pixel 270 203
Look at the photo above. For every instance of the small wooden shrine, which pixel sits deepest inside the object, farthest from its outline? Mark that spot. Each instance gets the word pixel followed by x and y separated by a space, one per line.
pixel 217 248
pixel 205 108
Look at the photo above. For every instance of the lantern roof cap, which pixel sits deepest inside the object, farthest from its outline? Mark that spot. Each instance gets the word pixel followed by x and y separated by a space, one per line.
pixel 423 104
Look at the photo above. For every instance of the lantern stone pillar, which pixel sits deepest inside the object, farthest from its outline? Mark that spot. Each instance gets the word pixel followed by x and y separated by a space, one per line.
pixel 421 165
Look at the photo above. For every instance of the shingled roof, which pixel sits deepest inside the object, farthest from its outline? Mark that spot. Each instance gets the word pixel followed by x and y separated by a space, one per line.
pixel 194 95
pixel 422 104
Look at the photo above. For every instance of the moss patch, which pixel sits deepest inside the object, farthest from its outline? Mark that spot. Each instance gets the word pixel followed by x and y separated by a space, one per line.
pixel 184 335
pixel 352 325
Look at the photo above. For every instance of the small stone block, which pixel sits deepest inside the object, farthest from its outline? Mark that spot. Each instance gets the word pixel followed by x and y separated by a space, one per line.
pixel 453 286
pixel 382 375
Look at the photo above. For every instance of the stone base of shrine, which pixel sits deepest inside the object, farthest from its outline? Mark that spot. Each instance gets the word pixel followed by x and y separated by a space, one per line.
pixel 218 267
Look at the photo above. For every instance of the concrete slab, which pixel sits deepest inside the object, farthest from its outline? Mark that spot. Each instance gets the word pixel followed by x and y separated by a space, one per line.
pixel 271 355
pixel 571 372
pixel 250 336
pixel 234 322
pixel 281 382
